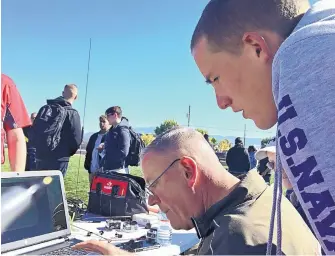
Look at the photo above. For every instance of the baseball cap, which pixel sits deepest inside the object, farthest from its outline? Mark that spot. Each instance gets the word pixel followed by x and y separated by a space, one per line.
pixel 262 153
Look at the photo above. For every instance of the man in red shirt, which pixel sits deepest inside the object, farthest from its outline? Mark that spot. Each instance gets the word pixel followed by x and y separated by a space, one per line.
pixel 14 117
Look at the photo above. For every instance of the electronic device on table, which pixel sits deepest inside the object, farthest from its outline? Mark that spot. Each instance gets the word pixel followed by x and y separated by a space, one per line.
pixel 34 214
pixel 144 219
pixel 152 235
pixel 113 224
pixel 145 243
pixel 138 245
pixel 126 226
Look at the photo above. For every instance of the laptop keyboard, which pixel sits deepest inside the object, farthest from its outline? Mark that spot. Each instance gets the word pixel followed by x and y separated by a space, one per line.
pixel 68 251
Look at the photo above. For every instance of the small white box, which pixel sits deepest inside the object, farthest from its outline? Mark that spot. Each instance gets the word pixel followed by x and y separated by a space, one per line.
pixel 143 219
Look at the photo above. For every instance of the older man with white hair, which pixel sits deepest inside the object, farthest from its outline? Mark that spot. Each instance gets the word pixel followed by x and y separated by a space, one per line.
pixel 231 215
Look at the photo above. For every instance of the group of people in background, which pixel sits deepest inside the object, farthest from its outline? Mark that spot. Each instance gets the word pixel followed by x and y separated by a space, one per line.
pixel 45 140
pixel 48 139
pixel 111 147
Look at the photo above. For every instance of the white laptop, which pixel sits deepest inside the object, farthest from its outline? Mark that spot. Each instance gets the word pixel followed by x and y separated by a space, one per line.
pixel 34 214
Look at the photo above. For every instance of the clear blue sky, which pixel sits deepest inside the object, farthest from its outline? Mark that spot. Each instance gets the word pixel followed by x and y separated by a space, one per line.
pixel 140 60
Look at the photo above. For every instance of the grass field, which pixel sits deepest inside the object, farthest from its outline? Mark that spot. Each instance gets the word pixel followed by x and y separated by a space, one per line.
pixel 76 178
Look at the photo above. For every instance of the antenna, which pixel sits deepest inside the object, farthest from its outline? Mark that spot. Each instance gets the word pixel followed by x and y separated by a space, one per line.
pixel 82 130
pixel 245 131
pixel 189 116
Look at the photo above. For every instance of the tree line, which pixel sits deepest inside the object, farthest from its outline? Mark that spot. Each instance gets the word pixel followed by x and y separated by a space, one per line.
pixel 222 145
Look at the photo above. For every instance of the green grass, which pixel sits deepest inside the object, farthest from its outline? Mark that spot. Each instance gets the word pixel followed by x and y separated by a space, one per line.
pixel 76 178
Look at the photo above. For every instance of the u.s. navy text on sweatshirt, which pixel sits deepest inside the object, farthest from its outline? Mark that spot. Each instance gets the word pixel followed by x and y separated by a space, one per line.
pixel 304 92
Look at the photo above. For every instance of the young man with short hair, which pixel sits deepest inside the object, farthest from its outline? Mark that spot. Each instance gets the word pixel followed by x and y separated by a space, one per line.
pixel 57 132
pixel 93 157
pixel 282 53
pixel 117 141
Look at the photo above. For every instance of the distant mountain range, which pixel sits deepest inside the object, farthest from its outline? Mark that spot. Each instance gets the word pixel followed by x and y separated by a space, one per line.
pixel 248 141
pixel 147 130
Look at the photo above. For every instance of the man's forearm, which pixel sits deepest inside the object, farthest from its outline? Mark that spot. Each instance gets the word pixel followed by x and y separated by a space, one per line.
pixel 17 150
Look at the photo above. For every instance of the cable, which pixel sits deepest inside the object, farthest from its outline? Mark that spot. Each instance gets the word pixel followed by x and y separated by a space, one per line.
pixel 104 238
pixel 82 131
pixel 122 218
pixel 88 231
pixel 77 208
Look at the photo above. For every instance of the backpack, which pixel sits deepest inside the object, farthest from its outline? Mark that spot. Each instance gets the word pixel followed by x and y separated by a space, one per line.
pixel 47 128
pixel 136 146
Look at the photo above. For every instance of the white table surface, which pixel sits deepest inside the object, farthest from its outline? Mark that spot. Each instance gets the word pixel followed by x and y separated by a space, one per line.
pixel 181 240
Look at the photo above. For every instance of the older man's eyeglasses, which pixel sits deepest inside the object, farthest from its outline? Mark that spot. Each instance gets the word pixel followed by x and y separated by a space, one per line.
pixel 147 187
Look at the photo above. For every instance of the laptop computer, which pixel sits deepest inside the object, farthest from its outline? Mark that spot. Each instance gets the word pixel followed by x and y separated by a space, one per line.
pixel 34 214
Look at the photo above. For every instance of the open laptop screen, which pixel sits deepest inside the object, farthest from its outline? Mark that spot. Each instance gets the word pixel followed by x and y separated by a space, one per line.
pixel 30 207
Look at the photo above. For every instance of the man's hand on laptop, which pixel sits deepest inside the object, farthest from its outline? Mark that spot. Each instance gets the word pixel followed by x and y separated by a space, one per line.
pixel 101 247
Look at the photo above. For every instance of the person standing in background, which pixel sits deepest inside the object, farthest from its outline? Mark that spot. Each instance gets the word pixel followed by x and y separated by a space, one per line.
pixel 117 141
pixel 251 151
pixel 31 151
pixel 56 132
pixel 264 170
pixel 93 148
pixel 14 117
pixel 206 136
pixel 238 159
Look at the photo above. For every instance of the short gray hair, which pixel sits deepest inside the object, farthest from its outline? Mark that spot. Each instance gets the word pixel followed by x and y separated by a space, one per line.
pixel 173 140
